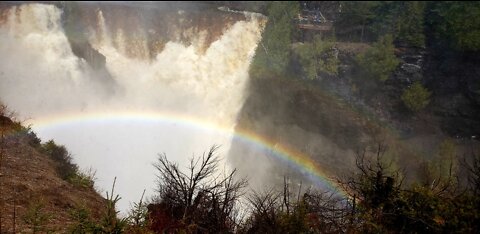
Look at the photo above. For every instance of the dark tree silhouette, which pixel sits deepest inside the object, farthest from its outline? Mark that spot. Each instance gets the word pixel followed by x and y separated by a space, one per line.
pixel 199 200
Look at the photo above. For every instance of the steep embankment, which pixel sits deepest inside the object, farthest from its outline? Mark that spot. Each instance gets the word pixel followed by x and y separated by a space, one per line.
pixel 29 180
pixel 319 125
pixel 327 121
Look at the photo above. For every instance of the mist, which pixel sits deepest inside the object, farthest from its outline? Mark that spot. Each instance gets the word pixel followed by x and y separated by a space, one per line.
pixel 178 100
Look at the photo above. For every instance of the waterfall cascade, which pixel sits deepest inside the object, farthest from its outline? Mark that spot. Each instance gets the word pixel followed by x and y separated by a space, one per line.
pixel 162 94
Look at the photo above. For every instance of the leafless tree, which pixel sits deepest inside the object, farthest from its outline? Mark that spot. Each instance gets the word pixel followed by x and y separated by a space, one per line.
pixel 328 212
pixel 372 181
pixel 437 182
pixel 199 199
pixel 265 210
pixel 314 211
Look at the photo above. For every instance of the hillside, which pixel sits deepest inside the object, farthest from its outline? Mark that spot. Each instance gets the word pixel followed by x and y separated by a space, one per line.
pixel 310 89
pixel 29 180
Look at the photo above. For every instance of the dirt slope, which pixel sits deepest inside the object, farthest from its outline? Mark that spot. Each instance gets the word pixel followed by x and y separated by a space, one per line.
pixel 28 177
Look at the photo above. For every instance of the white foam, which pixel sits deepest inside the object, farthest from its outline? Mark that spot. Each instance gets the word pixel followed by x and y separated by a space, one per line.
pixel 40 76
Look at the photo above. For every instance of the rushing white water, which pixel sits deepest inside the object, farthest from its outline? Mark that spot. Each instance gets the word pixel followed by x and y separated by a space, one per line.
pixel 41 78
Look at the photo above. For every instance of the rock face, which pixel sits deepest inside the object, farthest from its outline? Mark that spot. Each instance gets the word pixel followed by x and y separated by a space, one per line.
pixel 452 78
pixel 139 30
pixel 293 114
pixel 29 178
pixel 455 80
pixel 142 30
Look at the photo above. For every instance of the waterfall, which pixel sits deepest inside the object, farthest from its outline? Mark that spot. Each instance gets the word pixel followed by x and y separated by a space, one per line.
pixel 199 83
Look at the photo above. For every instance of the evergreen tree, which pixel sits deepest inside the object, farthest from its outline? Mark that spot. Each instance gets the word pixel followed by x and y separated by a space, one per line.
pixel 379 61
pixel 273 52
pixel 416 97
pixel 318 56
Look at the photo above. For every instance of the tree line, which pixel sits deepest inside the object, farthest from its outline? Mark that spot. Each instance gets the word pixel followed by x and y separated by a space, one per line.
pixel 377 201
pixel 201 199
pixel 445 27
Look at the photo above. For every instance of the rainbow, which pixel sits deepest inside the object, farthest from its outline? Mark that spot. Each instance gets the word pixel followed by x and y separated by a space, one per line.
pixel 298 160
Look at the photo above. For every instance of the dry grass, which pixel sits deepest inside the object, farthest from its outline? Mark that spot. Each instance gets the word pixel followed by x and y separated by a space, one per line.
pixel 28 177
